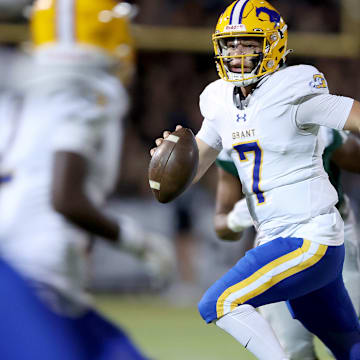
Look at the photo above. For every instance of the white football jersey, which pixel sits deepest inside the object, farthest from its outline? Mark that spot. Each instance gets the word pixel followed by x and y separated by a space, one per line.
pixel 79 113
pixel 277 152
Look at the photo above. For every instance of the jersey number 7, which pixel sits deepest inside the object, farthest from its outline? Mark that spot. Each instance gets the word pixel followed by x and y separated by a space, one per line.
pixel 254 147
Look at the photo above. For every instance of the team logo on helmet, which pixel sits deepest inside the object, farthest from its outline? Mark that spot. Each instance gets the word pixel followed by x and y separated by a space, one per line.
pixel 273 15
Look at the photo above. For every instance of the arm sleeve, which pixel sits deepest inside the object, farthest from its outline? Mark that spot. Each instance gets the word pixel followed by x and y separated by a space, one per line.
pixel 209 135
pixel 324 110
pixel 209 108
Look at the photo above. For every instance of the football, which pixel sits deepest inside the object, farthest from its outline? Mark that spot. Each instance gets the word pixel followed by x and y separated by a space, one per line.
pixel 173 165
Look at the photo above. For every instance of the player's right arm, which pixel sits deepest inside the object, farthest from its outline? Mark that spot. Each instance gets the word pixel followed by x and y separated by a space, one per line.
pixel 207 154
pixel 70 199
pixel 208 139
pixel 80 131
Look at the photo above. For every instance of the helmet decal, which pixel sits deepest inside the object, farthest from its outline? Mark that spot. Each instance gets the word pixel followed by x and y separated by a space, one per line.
pixel 273 15
pixel 65 24
pixel 238 11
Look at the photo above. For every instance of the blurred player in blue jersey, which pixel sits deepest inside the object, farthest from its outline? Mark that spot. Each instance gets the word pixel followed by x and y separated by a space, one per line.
pixel 267 117
pixel 60 150
pixel 232 217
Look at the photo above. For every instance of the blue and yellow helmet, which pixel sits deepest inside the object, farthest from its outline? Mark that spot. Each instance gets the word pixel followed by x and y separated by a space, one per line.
pixel 251 19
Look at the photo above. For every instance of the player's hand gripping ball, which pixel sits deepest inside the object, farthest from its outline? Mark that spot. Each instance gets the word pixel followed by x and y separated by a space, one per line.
pixel 173 165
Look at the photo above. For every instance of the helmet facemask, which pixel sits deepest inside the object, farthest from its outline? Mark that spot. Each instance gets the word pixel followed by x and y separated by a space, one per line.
pixel 263 62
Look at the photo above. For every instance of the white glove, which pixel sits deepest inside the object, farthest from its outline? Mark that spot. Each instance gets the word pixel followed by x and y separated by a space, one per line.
pixel 159 258
pixel 155 250
pixel 131 236
pixel 239 217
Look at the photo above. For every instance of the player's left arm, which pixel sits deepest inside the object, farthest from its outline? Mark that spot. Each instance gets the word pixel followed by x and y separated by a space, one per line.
pixel 336 112
pixel 353 121
pixel 347 156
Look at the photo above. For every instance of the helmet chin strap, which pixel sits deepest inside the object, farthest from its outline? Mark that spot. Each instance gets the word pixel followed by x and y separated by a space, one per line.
pixel 245 83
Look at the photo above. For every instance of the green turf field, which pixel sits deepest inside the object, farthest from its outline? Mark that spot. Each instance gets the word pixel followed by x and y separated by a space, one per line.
pixel 166 332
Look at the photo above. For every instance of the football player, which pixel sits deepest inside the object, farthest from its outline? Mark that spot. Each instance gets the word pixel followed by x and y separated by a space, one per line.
pixel 60 149
pixel 232 217
pixel 268 116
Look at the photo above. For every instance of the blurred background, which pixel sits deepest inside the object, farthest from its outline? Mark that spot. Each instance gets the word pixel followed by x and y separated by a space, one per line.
pixel 174 62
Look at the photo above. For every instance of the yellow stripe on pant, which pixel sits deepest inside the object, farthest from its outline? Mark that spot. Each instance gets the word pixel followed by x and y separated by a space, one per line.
pixel 260 281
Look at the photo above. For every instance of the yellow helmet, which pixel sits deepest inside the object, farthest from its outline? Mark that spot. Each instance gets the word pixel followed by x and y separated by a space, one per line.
pixel 98 26
pixel 250 19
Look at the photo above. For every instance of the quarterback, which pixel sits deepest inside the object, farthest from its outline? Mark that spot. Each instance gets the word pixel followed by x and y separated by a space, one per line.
pixel 232 218
pixel 268 117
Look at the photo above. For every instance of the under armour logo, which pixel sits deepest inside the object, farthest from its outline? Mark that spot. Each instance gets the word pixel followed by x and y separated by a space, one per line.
pixel 240 117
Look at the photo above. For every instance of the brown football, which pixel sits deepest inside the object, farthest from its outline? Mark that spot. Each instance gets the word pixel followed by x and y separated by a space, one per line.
pixel 174 164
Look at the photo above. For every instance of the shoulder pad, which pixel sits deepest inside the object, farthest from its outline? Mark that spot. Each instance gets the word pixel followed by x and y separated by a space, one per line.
pixel 305 80
pixel 295 82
